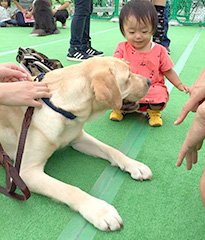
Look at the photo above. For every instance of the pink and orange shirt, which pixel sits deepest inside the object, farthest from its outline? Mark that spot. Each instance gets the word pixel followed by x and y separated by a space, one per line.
pixel 149 64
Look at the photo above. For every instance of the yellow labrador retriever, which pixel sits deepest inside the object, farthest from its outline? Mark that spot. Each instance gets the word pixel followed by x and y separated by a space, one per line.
pixel 86 90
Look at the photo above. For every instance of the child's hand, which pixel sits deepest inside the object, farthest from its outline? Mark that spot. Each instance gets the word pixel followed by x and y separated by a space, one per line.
pixel 184 88
pixel 24 11
pixel 29 14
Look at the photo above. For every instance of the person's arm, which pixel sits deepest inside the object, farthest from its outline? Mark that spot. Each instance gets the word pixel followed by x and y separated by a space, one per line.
pixel 194 139
pixel 29 13
pixel 23 93
pixel 197 96
pixel 62 7
pixel 172 76
pixel 200 81
pixel 159 2
pixel 20 7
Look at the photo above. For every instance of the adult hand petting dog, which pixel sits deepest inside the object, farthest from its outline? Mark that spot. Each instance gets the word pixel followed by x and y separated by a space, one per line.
pixel 18 88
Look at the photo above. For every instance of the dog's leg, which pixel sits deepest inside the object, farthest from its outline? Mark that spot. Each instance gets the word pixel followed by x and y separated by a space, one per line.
pixel 101 214
pixel 91 146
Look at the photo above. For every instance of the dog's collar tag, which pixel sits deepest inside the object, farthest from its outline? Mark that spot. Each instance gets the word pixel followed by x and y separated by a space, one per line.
pixel 48 102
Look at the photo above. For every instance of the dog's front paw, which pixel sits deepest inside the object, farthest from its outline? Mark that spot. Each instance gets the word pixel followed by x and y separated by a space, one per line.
pixel 101 214
pixel 138 170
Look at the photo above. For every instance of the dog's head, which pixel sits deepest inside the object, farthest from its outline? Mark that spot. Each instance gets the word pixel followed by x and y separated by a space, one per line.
pixel 40 4
pixel 90 88
pixel 113 82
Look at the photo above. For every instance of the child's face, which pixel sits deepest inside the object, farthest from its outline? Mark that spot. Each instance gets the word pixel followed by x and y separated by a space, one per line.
pixel 138 34
pixel 4 3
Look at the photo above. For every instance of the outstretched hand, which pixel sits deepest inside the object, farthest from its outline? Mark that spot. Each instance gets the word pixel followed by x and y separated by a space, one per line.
pixel 194 139
pixel 197 96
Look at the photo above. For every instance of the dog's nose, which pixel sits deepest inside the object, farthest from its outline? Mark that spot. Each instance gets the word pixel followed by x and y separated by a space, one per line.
pixel 149 82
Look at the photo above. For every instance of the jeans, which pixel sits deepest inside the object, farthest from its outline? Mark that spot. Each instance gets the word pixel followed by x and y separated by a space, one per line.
pixel 166 41
pixel 80 26
pixel 4 24
pixel 21 21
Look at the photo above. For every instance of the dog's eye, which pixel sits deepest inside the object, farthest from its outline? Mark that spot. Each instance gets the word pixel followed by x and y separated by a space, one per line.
pixel 129 77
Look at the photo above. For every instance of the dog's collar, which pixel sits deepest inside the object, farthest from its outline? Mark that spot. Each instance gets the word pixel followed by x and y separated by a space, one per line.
pixel 48 102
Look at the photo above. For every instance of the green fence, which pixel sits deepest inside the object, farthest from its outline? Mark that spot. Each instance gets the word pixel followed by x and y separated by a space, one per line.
pixel 187 12
pixel 106 9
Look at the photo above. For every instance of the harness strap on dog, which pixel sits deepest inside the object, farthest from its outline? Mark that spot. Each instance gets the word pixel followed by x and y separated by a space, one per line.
pixel 13 179
pixel 49 103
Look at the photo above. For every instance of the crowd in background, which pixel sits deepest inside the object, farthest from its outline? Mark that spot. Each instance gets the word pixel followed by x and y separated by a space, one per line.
pixel 20 12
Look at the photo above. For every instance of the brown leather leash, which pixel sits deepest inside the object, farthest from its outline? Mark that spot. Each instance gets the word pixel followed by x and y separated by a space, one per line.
pixel 13 180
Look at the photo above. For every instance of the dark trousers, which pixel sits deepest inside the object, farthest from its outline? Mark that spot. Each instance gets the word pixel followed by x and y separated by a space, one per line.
pixel 11 21
pixel 61 16
pixel 21 22
pixel 159 33
pixel 80 26
pixel 166 41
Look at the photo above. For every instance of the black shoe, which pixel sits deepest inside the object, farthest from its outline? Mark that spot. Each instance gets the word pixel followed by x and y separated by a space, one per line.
pixel 92 52
pixel 78 55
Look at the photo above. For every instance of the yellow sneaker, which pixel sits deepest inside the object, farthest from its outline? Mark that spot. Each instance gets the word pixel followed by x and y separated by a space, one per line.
pixel 116 115
pixel 154 118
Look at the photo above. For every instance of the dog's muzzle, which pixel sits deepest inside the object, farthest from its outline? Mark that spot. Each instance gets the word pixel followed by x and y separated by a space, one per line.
pixel 132 106
pixel 129 106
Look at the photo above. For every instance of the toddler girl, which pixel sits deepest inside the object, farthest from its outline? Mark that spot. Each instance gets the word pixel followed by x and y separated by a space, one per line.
pixel 6 14
pixel 138 22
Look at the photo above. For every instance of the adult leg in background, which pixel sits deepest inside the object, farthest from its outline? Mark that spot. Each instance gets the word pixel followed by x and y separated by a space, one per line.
pixel 80 43
pixel 80 23
pixel 166 41
pixel 160 8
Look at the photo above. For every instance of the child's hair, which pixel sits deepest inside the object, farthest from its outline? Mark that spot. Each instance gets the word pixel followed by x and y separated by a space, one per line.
pixel 9 2
pixel 142 10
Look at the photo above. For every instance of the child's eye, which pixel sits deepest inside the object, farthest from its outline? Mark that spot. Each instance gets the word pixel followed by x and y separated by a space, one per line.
pixel 131 32
pixel 144 31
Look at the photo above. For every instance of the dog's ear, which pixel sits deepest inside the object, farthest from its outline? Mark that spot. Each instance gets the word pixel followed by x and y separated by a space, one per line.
pixel 106 88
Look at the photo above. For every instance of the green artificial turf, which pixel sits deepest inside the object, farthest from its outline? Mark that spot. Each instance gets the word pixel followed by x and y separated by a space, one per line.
pixel 166 208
